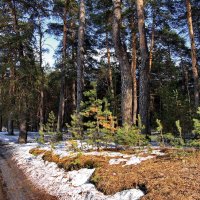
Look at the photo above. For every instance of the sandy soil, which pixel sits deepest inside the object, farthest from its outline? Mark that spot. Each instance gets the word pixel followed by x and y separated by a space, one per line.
pixel 13 183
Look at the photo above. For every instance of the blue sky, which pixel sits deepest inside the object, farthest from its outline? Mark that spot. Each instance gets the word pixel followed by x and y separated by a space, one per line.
pixel 51 44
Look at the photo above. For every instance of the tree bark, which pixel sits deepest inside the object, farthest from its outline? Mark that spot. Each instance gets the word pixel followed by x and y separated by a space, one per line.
pixel 110 79
pixel 41 104
pixel 80 55
pixel 125 67
pixel 41 109
pixel 152 43
pixel 144 69
pixel 22 131
pixel 10 125
pixel 193 53
pixel 133 70
pixel 1 122
pixel 63 71
pixel 73 95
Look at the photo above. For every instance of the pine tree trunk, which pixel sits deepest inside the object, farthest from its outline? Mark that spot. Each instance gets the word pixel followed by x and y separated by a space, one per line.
pixel 110 79
pixel 63 71
pixel 22 131
pixel 133 69
pixel 125 67
pixel 152 43
pixel 73 58
pixel 1 123
pixel 144 69
pixel 10 125
pixel 41 104
pixel 193 53
pixel 73 95
pixel 80 54
pixel 41 109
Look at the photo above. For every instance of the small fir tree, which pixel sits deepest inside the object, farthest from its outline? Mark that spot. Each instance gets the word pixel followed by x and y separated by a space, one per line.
pixel 196 129
pixel 159 128
pixel 99 121
pixel 50 129
pixel 179 128
pixel 131 135
pixel 76 126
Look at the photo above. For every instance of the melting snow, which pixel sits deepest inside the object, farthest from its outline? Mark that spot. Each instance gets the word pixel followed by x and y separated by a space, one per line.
pixel 72 185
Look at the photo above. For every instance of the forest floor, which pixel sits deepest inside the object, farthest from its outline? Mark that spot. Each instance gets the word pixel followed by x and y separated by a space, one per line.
pixel 148 174
pixel 14 185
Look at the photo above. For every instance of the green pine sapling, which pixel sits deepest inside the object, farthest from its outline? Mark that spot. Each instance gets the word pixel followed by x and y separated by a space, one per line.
pixel 159 128
pixel 130 135
pixel 179 128
pixel 50 129
pixel 98 119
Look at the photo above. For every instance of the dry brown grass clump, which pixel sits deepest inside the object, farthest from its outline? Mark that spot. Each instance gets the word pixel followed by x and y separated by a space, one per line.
pixel 50 157
pixel 163 178
pixel 175 175
pixel 72 163
pixel 37 151
pixel 82 161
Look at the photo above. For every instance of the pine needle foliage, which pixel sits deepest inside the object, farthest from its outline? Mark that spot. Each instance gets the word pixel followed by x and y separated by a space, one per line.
pixel 50 129
pixel 196 129
pixel 131 135
pixel 99 122
pixel 76 126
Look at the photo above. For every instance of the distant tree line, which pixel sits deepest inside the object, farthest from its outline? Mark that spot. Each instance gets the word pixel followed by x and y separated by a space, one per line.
pixel 143 55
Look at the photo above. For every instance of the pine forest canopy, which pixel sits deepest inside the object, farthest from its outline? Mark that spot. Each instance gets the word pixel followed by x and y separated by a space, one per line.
pixel 143 56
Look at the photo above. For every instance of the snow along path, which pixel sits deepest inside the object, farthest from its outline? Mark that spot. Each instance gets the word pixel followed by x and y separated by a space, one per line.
pixel 64 185
pixel 72 185
pixel 13 183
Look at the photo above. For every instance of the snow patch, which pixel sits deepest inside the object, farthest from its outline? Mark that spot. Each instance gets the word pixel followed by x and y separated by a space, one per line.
pixel 81 176
pixel 65 185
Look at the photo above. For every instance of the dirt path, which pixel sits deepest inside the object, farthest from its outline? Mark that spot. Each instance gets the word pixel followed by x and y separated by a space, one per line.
pixel 13 183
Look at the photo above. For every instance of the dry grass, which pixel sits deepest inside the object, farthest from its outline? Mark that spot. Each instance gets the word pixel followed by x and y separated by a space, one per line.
pixel 82 161
pixel 50 157
pixel 37 151
pixel 174 176
pixel 72 163
pixel 163 178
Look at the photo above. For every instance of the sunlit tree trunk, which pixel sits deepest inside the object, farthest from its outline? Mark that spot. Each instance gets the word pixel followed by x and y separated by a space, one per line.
pixel 80 54
pixel 41 104
pixel 63 71
pixel 125 67
pixel 110 79
pixel 144 69
pixel 73 37
pixel 193 53
pixel 152 43
pixel 133 69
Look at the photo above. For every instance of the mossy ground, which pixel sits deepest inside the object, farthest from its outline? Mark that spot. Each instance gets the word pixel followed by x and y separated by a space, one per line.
pixel 176 175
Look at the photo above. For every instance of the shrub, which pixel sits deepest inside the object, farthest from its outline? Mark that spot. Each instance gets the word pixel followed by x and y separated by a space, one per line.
pixel 130 135
pixel 194 143
pixel 50 129
pixel 159 128
pixel 196 129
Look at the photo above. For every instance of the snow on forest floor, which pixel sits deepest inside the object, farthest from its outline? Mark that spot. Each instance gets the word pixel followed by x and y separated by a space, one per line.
pixel 74 184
